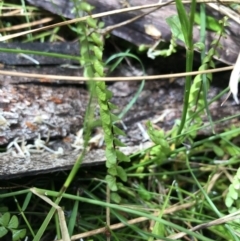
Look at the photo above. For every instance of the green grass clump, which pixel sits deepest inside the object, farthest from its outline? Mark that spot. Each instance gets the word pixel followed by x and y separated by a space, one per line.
pixel 176 189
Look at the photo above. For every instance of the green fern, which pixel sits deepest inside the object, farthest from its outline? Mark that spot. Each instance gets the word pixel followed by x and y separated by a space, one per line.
pixel 92 44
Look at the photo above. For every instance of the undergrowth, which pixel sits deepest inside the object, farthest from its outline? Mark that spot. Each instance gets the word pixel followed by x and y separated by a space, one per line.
pixel 181 187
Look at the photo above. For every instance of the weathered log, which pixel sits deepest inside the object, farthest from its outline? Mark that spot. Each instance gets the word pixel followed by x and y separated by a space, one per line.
pixel 23 101
pixel 58 48
pixel 62 108
pixel 135 32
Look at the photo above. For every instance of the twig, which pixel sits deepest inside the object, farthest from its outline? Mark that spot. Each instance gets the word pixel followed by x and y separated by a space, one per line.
pixel 131 78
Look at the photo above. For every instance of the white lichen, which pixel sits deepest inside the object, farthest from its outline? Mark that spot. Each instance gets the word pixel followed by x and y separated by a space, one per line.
pixel 4 124
pixel 42 120
pixel 41 145
pixel 96 141
pixel 15 149
pixel 23 150
pixel 79 142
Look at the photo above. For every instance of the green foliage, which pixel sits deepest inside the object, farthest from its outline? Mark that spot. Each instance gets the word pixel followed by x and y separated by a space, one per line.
pixel 197 102
pixel 211 22
pixel 218 150
pixel 8 223
pixel 115 197
pixel 92 44
pixel 111 181
pixel 200 209
pixel 162 148
pixel 143 193
pixel 175 26
pixel 186 21
pixel 156 135
pixel 232 200
pixel 226 143
pixel 164 52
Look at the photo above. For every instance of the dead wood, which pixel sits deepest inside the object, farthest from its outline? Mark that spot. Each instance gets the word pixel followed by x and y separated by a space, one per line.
pixel 58 48
pixel 62 107
pixel 135 32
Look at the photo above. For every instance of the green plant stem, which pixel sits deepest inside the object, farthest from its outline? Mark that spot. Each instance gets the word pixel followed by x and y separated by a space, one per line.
pixel 203 29
pixel 127 210
pixel 59 197
pixel 188 83
pixel 214 208
pixel 209 139
pixel 203 54
pixel 72 174
pixel 27 18
pixel 55 55
pixel 187 28
pixel 24 217
pixel 73 217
